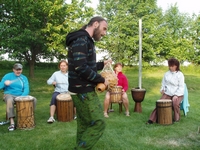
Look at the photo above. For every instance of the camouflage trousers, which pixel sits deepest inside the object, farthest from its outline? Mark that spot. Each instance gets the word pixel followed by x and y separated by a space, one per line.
pixel 90 120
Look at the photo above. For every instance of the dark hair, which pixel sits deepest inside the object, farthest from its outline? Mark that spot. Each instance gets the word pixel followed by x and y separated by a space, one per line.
pixel 94 19
pixel 174 62
pixel 118 64
pixel 62 62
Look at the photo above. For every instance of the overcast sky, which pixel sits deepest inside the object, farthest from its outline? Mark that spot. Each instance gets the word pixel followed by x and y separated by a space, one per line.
pixel 185 6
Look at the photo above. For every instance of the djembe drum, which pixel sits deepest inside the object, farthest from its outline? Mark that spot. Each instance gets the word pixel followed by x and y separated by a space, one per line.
pixel 116 97
pixel 25 112
pixel 64 107
pixel 116 94
pixel 164 111
pixel 138 96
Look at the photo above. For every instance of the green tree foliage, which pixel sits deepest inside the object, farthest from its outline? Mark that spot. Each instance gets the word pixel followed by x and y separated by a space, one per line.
pixel 122 41
pixel 179 29
pixel 196 40
pixel 165 34
pixel 32 30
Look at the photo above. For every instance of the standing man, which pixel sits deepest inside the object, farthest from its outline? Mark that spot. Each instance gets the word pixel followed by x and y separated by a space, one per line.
pixel 14 84
pixel 83 78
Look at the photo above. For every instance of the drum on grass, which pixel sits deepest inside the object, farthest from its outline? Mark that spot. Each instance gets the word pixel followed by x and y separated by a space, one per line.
pixel 116 94
pixel 64 108
pixel 25 112
pixel 164 111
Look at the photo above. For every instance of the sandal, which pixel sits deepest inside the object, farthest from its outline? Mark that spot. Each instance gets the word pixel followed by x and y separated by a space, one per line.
pixel 11 127
pixel 127 114
pixel 106 115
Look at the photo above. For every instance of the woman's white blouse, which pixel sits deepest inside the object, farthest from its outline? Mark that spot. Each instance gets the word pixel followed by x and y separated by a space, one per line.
pixel 173 83
pixel 61 81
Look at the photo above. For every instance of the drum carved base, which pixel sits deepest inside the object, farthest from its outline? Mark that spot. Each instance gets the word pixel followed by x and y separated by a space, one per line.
pixel 138 107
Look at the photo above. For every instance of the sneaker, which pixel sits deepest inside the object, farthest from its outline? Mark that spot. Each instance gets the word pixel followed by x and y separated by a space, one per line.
pixel 51 120
pixel 75 117
pixel 127 114
pixel 106 115
pixel 4 122
pixel 11 127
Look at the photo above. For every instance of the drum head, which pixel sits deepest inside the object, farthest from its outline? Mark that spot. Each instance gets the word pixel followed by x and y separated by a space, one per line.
pixel 64 97
pixel 24 98
pixel 164 100
pixel 118 87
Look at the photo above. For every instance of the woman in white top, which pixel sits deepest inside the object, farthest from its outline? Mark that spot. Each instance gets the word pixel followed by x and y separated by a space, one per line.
pixel 172 88
pixel 59 80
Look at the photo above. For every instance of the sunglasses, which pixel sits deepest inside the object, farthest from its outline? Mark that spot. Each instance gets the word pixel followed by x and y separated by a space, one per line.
pixel 18 69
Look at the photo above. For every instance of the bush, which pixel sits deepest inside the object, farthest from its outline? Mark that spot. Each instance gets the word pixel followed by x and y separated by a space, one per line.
pixel 41 65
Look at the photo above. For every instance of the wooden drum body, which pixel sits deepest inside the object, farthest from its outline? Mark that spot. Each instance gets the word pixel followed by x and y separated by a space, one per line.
pixel 116 94
pixel 25 112
pixel 64 108
pixel 138 96
pixel 164 111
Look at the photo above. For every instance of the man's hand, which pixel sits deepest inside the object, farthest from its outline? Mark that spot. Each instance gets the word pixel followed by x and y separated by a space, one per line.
pixel 7 82
pixel 108 61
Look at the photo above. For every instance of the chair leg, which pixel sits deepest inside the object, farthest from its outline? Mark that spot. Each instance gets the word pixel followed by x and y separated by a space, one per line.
pixel 120 107
pixel 110 105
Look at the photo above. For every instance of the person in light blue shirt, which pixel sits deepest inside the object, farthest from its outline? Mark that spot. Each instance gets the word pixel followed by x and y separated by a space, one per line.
pixel 14 84
pixel 59 80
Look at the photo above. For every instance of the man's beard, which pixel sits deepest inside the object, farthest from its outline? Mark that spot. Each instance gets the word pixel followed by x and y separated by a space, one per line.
pixel 97 34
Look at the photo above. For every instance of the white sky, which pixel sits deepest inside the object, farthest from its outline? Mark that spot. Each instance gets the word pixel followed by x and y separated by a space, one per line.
pixel 185 6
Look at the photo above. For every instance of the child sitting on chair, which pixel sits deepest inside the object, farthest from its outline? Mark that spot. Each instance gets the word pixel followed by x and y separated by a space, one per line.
pixel 122 81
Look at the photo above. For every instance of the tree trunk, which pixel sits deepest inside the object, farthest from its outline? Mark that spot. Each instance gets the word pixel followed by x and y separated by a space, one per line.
pixel 31 69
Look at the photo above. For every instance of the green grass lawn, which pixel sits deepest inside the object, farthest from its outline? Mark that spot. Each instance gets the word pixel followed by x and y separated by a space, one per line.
pixel 122 133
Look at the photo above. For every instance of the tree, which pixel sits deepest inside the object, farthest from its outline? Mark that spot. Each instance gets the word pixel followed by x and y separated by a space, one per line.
pixel 32 30
pixel 196 39
pixel 165 35
pixel 122 41
pixel 179 27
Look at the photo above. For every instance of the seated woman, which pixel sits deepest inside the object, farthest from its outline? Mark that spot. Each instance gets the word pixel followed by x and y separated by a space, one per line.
pixel 122 81
pixel 59 80
pixel 172 88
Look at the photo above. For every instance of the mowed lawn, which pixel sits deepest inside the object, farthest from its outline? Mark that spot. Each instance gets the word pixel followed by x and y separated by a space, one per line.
pixel 121 133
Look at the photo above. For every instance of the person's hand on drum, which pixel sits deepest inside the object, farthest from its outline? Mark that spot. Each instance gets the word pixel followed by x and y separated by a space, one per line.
pixel 123 91
pixel 54 83
pixel 162 92
pixel 174 98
